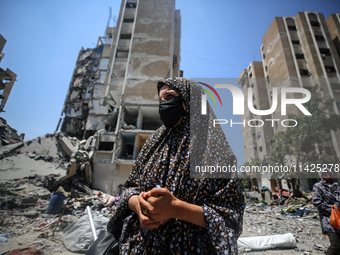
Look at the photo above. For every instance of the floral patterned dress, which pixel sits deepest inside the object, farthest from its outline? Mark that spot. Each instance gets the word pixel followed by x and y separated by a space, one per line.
pixel 164 160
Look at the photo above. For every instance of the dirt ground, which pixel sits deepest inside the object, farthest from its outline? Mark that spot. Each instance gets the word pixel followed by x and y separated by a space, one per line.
pixel 24 199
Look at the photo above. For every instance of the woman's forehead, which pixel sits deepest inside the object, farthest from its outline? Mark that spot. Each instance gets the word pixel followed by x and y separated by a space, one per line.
pixel 165 87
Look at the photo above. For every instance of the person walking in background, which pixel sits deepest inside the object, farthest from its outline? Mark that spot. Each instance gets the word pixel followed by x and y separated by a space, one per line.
pixel 325 194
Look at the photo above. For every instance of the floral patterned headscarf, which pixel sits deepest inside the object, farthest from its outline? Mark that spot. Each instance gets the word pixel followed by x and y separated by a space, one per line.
pixel 165 160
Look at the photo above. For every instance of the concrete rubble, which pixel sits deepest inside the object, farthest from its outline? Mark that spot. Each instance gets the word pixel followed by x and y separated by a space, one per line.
pixel 299 219
pixel 34 171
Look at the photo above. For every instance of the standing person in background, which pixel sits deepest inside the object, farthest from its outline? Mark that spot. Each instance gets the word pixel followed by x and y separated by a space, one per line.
pixel 325 194
pixel 186 215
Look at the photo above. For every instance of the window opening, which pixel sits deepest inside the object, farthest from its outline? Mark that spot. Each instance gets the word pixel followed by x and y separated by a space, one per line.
pixel 128 20
pixel 106 146
pixel 320 38
pixel 299 56
pixel 304 72
pixel 330 69
pixel 125 36
pixel 314 23
pixel 325 51
pixel 131 5
pixel 126 147
pixel 292 28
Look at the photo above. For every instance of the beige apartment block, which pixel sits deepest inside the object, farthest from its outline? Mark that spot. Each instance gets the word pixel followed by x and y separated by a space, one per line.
pixel 112 95
pixel 296 52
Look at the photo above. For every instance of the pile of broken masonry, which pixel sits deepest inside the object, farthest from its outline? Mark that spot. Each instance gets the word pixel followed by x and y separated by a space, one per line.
pixel 32 172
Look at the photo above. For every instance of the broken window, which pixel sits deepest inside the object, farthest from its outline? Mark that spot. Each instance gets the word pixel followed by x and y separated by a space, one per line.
pixel 130 117
pixel 330 69
pixel 126 148
pixel 106 146
pixel 320 38
pixel 110 109
pixel 304 72
pixel 128 20
pixel 85 111
pixel 292 28
pixel 314 23
pixel 325 51
pixel 299 56
pixel 131 5
pixel 125 36
pixel 260 148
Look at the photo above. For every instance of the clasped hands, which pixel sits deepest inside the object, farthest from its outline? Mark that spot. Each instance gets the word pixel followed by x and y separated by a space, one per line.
pixel 153 207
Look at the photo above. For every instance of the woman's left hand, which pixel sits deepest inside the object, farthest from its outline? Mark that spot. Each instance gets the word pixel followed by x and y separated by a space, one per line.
pixel 159 203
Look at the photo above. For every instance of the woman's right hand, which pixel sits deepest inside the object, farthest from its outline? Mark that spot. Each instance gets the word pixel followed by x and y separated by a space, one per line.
pixel 134 204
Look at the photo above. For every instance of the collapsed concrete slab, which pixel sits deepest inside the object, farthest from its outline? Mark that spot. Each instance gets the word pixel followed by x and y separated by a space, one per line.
pixel 8 135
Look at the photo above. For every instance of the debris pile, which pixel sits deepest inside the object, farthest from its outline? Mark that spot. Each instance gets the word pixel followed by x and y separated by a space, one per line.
pixel 299 219
pixel 8 135
pixel 32 217
pixel 45 191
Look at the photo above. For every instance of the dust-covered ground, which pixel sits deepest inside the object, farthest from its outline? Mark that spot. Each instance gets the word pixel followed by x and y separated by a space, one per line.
pixel 27 171
pixel 24 202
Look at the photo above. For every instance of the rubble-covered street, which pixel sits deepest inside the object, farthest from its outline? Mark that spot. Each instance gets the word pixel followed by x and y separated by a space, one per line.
pixel 25 200
pixel 31 173
pixel 45 196
pixel 261 220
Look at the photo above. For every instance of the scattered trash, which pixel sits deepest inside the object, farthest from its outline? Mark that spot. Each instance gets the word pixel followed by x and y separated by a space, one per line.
pixel 267 242
pixel 3 239
pixel 26 251
pixel 78 236
pixel 56 203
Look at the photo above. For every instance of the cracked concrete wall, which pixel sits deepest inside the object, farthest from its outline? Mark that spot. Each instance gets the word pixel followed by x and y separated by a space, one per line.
pixel 153 47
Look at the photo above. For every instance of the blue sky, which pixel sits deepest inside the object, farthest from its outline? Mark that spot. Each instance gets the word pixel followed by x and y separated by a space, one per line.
pixel 219 39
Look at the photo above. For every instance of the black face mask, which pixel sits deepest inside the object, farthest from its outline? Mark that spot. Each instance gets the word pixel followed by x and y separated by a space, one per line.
pixel 171 111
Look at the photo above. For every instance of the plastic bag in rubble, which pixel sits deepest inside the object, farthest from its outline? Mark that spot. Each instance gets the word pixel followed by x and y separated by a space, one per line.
pixel 267 242
pixel 78 236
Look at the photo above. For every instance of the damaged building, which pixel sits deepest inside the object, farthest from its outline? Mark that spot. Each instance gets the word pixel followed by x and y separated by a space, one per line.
pixel 297 52
pixel 8 135
pixel 112 100
pixel 7 78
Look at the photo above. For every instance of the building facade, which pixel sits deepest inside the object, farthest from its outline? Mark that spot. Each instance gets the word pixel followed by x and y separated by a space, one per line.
pixel 7 78
pixel 112 97
pixel 296 52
